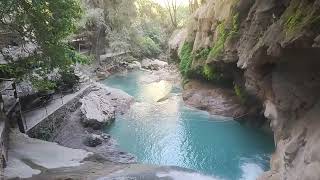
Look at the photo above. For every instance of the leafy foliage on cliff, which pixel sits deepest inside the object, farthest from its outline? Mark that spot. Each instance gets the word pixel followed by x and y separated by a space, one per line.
pixel 209 72
pixel 203 54
pixel 148 46
pixel 223 35
pixel 218 46
pixel 241 93
pixel 186 58
pixel 299 15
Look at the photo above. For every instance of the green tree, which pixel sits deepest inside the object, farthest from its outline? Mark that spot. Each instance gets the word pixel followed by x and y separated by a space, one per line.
pixel 47 24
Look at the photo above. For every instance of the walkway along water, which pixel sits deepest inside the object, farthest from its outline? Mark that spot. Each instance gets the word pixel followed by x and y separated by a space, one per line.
pixel 35 116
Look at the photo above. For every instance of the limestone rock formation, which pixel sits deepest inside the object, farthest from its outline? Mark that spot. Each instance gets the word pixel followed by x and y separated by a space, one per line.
pixel 176 41
pixel 135 65
pixel 38 153
pixel 97 111
pixel 269 48
pixel 153 64
pixel 98 107
pixel 65 126
pixel 215 100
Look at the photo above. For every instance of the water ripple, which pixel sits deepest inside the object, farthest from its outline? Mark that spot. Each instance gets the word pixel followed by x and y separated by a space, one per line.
pixel 170 133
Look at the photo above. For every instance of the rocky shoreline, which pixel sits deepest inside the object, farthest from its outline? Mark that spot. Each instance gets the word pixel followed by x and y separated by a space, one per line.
pixel 79 124
pixel 72 128
pixel 222 101
pixel 215 100
pixel 82 129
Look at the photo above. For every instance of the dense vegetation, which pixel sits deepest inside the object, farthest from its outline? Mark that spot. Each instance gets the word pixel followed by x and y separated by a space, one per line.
pixel 186 58
pixel 141 27
pixel 225 30
pixel 45 24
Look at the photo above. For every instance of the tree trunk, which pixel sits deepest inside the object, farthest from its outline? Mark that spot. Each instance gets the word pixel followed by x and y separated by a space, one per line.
pixel 172 9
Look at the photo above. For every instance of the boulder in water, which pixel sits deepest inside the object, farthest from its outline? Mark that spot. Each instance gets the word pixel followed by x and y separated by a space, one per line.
pixel 97 110
pixel 100 106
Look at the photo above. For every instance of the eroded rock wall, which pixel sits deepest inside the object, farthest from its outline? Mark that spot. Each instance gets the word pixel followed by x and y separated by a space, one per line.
pixel 275 44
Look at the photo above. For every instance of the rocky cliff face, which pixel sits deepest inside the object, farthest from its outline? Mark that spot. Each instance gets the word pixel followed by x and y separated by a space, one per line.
pixel 270 50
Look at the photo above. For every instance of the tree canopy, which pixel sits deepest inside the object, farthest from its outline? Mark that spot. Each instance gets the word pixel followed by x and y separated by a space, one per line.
pixel 46 24
pixel 139 26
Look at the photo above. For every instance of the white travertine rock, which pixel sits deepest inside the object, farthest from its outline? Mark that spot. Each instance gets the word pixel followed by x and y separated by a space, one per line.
pixel 135 65
pixel 42 153
pixel 97 110
pixel 153 64
pixel 100 106
pixel 177 39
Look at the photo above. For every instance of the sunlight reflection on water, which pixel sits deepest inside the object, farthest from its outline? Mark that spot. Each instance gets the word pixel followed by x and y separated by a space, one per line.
pixel 156 91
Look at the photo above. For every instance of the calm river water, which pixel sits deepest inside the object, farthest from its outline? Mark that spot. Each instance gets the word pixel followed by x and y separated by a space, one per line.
pixel 170 133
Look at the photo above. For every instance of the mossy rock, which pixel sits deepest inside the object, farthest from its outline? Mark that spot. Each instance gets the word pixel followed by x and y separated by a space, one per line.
pixel 186 58
pixel 300 15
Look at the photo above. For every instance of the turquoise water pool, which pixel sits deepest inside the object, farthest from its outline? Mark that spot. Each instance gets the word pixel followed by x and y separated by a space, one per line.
pixel 170 133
